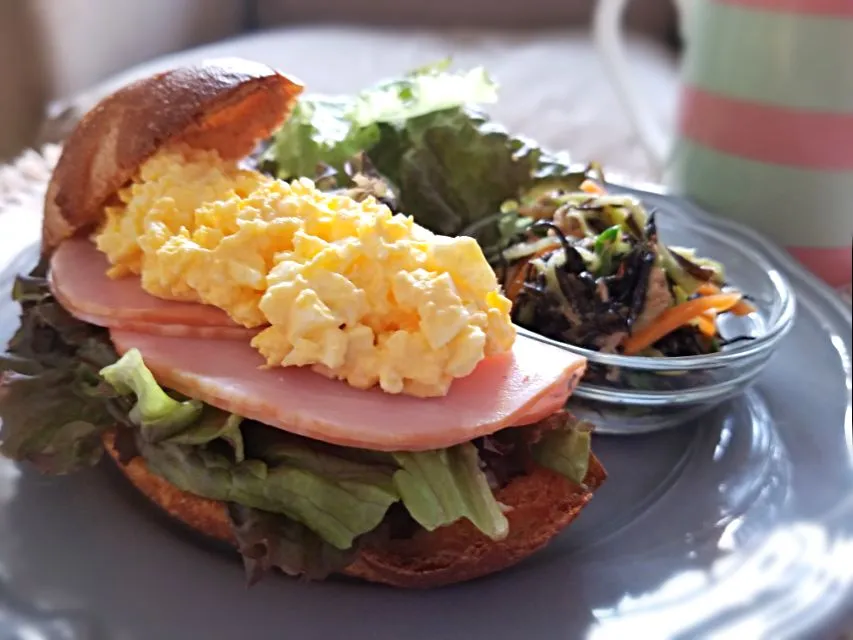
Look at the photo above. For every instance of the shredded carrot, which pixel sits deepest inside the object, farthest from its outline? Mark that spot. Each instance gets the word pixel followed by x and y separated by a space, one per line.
pixel 742 308
pixel 678 316
pixel 516 283
pixel 588 186
pixel 707 323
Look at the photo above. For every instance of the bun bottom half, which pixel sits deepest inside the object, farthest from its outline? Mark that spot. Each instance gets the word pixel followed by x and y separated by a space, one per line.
pixel 542 503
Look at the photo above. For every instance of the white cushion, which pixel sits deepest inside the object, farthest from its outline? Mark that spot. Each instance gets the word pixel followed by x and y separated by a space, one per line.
pixel 553 86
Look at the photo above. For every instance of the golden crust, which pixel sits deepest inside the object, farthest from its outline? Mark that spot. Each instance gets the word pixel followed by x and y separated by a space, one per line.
pixel 224 104
pixel 543 503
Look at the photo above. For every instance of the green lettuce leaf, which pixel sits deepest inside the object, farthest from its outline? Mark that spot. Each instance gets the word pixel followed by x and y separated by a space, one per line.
pixel 52 409
pixel 334 467
pixel 48 423
pixel 440 487
pixel 155 412
pixel 267 540
pixel 455 167
pixel 214 425
pixel 50 337
pixel 336 511
pixel 162 418
pixel 324 131
pixel 319 131
pixel 565 450
pixel 426 90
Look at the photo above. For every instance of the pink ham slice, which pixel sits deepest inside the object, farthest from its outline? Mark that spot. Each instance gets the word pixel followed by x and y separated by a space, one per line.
pixel 519 388
pixel 78 280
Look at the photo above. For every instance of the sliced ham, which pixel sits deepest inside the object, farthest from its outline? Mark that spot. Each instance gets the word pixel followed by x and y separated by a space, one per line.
pixel 79 281
pixel 510 390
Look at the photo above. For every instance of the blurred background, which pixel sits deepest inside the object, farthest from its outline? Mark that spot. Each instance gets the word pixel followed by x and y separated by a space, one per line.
pixel 62 55
pixel 59 57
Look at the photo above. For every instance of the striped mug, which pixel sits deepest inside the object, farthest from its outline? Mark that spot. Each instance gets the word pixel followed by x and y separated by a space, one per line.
pixel 765 127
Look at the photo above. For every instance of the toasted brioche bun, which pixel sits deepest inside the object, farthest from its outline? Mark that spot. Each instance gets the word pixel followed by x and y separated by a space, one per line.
pixel 225 104
pixel 542 504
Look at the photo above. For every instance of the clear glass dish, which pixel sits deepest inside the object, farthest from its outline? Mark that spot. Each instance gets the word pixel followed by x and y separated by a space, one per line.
pixel 632 394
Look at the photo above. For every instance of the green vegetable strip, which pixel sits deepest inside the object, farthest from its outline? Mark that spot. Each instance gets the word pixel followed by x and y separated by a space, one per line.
pixel 336 513
pixel 565 451
pixel 486 513
pixel 331 130
pixel 214 424
pixel 440 487
pixel 161 415
pixel 376 472
pixel 271 540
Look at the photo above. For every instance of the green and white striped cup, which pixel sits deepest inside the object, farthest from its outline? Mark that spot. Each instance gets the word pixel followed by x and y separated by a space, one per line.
pixel 765 128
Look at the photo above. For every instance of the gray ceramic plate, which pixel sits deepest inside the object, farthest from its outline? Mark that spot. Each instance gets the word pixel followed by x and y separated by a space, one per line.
pixel 738 527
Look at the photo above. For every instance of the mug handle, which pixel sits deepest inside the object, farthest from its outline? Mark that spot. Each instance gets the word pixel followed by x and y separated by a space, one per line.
pixel 609 40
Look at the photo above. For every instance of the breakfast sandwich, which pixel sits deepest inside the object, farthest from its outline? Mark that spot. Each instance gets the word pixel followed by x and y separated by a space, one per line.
pixel 306 375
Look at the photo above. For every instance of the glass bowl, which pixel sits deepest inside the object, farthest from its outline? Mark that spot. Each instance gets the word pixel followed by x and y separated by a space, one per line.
pixel 632 394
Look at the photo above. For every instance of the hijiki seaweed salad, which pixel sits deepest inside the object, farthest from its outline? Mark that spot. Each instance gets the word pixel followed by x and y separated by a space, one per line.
pixel 582 266
pixel 589 269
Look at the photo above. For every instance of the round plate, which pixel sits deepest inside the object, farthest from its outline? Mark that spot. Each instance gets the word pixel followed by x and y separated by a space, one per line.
pixel 739 527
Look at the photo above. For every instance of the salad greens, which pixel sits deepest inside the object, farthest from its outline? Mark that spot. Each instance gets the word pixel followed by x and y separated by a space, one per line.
pixel 266 541
pixel 319 131
pixel 159 415
pixel 329 131
pixel 294 503
pixel 53 404
pixel 563 450
pixel 337 498
pixel 440 487
pixel 449 165
pixel 338 512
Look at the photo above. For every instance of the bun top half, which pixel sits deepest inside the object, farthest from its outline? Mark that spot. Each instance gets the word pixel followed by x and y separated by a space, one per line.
pixel 226 105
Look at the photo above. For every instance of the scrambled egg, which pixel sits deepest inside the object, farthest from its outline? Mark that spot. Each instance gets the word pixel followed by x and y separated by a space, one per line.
pixel 345 287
